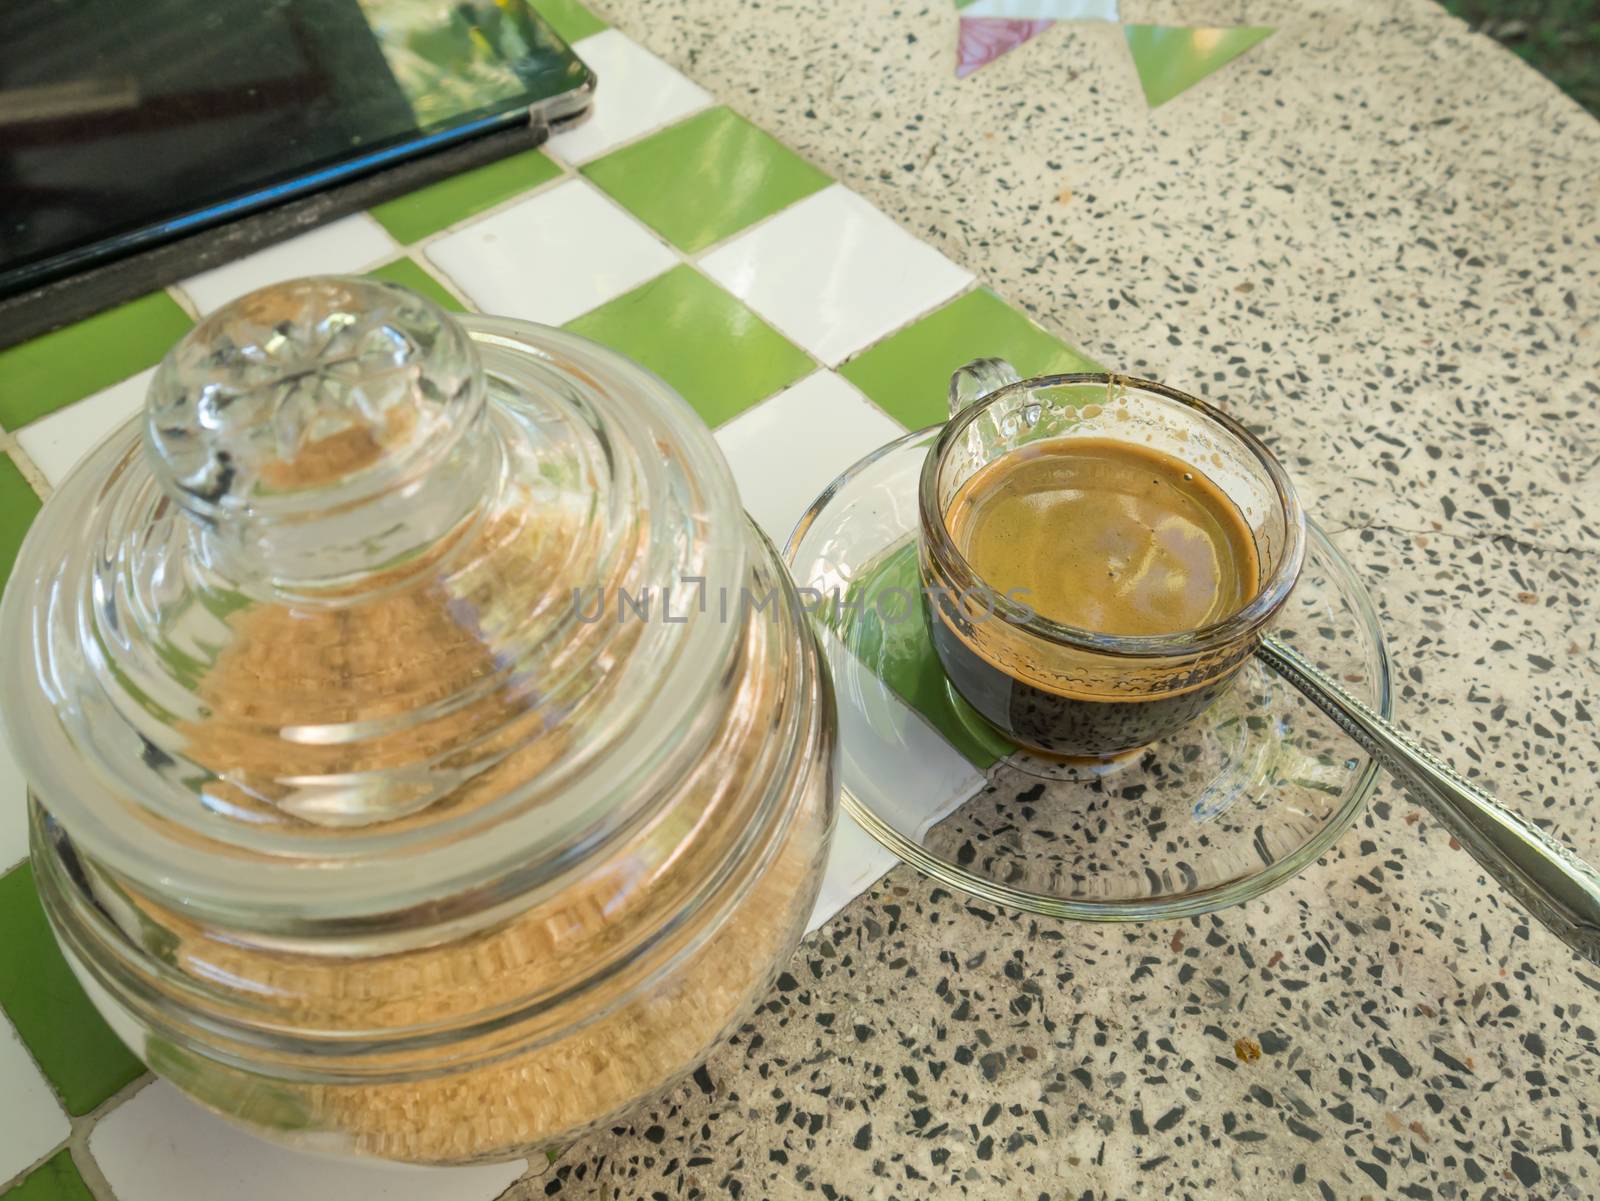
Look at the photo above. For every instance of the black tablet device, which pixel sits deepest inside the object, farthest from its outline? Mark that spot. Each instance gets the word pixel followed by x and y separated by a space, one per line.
pixel 141 140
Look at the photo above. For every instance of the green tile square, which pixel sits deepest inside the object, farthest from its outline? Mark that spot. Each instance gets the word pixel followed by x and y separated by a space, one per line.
pixel 706 178
pixel 413 217
pixel 55 369
pixel 1172 59
pixel 569 18
pixel 900 653
pixel 70 1042
pixel 56 1179
pixel 408 273
pixel 18 504
pixel 718 354
pixel 908 373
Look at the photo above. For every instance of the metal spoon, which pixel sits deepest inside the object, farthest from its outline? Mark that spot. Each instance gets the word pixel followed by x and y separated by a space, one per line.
pixel 1543 875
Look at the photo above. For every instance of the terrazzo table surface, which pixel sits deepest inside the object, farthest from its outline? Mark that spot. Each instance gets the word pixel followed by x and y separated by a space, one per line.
pixel 1372 236
pixel 1376 238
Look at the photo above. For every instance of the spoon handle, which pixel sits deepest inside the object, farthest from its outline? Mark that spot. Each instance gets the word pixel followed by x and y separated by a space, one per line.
pixel 1544 877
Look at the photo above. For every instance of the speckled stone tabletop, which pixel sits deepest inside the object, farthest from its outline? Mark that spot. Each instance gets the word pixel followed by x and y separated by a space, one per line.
pixel 1377 239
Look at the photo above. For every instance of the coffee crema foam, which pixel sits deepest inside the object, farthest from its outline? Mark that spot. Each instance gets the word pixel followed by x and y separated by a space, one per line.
pixel 1108 536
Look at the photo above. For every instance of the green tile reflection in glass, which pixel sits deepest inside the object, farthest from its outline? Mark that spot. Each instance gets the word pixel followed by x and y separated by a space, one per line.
pixel 1170 59
pixel 908 373
pixel 408 273
pixel 51 371
pixel 69 1041
pixel 428 210
pixel 18 504
pixel 706 178
pixel 899 653
pixel 718 354
pixel 569 18
pixel 56 1179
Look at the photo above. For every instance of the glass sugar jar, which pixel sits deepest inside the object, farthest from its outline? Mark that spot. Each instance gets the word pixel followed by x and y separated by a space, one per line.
pixel 428 758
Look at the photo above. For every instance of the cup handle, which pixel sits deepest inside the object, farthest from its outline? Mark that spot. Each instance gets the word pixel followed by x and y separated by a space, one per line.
pixel 977 379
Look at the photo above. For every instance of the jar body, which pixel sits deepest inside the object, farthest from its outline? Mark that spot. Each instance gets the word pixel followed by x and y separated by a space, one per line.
pixel 482 1027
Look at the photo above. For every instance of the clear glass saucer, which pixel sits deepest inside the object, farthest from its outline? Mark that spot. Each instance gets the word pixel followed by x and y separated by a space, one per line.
pixel 1222 811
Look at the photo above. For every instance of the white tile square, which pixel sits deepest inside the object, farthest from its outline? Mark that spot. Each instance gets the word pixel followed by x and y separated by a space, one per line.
pixel 636 93
pixel 56 443
pixel 896 764
pixel 855 863
pixel 345 247
pixel 31 1121
pixel 834 273
pixel 788 449
pixel 551 257
pixel 160 1146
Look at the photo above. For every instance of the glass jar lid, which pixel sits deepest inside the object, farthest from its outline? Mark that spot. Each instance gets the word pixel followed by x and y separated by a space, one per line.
pixel 349 594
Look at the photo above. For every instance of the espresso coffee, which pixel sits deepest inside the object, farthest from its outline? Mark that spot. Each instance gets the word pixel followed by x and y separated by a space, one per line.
pixel 1106 536
pixel 1100 535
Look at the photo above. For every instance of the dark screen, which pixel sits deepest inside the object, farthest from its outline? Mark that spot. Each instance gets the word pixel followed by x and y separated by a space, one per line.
pixel 119 117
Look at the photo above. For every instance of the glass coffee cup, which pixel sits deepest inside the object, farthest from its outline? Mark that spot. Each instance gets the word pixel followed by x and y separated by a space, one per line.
pixel 1080 693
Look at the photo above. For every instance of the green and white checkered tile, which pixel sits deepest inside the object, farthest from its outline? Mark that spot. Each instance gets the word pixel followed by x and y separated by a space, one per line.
pixel 805 326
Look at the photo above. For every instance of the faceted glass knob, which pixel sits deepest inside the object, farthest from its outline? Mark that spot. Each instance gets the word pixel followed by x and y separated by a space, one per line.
pixel 309 384
pixel 320 430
